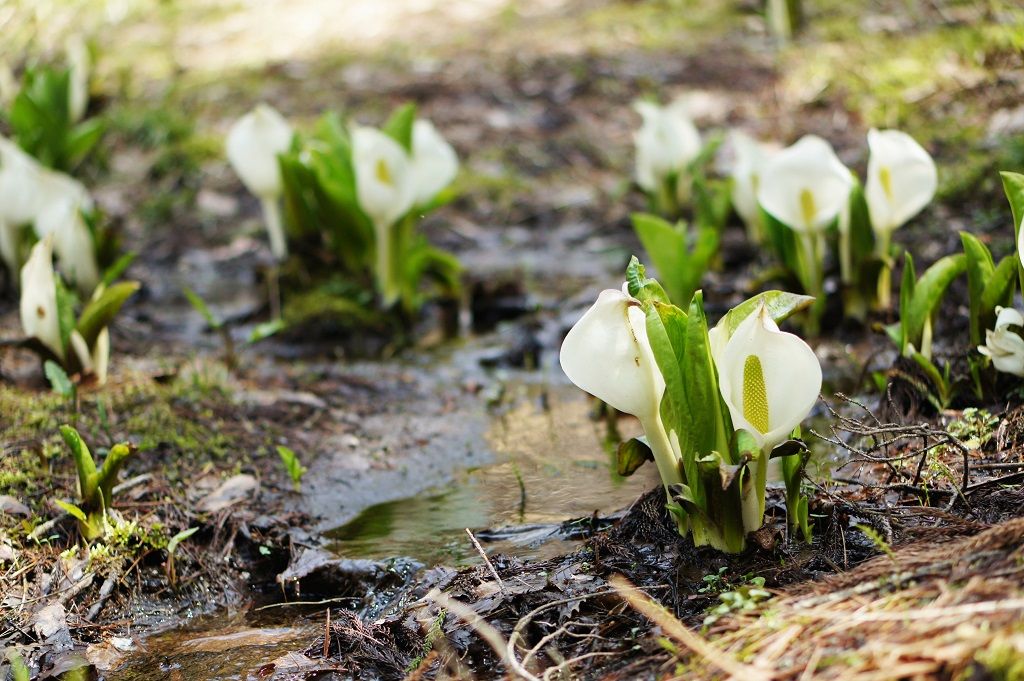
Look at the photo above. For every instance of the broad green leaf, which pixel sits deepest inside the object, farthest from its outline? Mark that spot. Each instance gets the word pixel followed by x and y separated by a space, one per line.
pixel 862 236
pixel 58 378
pixel 928 293
pixel 172 545
pixel 81 140
pixel 399 125
pixel 780 305
pixel 630 455
pixel 71 510
pixel 666 333
pixel 998 292
pixel 100 311
pixel 1013 185
pixel 666 247
pixel 980 268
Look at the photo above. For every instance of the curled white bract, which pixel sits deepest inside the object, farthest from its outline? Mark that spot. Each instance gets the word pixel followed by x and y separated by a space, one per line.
pixel 253 144
pixel 434 163
pixel 667 142
pixel 1003 344
pixel 901 181
pixel 38 304
pixel 805 186
pixel 768 378
pixel 607 354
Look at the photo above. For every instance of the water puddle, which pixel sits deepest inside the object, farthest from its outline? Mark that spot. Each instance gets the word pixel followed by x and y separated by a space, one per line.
pixel 551 465
pixel 218 648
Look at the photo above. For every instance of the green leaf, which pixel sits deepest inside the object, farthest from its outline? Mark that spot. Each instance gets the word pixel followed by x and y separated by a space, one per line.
pixel 266 330
pixel 291 463
pixel 71 510
pixel 980 268
pixel 84 463
pixel 679 266
pixel 640 286
pixel 631 454
pixel 81 140
pixel 101 310
pixel 998 292
pixel 200 306
pixel 780 305
pixel 58 378
pixel 172 545
pixel 927 294
pixel 1013 186
pixel 114 272
pixel 399 125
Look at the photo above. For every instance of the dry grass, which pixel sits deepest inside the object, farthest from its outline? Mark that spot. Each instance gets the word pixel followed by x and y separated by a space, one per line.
pixel 929 612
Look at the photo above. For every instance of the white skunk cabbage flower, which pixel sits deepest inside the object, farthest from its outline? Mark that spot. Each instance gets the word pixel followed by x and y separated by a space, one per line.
pixel 1020 242
pixel 73 243
pixel 253 145
pixel 79 66
pixel 805 186
pixel 901 181
pixel 1003 345
pixel 607 354
pixel 21 184
pixel 385 183
pixel 751 158
pixel 769 379
pixel 667 142
pixel 386 190
pixel 39 298
pixel 434 163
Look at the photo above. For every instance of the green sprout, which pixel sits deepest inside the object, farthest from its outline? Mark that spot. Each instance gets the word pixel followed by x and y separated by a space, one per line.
pixel 292 465
pixel 95 485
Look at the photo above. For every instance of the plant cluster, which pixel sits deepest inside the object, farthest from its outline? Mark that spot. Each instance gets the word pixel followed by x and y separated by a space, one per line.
pixel 354 195
pixel 715 403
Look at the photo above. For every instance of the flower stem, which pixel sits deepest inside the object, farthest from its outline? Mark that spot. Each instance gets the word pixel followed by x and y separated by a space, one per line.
pixel 275 227
pixel 664 456
pixel 385 265
pixel 882 243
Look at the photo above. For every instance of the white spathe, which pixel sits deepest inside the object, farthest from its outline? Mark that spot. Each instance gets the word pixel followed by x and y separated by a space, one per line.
pixel 607 354
pixel 20 184
pixel 768 378
pixel 1020 242
pixel 97 360
pixel 667 142
pixel 79 67
pixel 1003 345
pixel 385 184
pixel 901 181
pixel 72 242
pixel 434 163
pixel 751 158
pixel 253 145
pixel 805 186
pixel 38 305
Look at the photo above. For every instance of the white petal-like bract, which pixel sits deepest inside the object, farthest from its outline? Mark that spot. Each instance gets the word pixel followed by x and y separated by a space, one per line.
pixel 434 163
pixel 901 181
pixel 253 144
pixel 607 354
pixel 1004 345
pixel 39 298
pixel 385 185
pixel 768 378
pixel 805 186
pixel 667 142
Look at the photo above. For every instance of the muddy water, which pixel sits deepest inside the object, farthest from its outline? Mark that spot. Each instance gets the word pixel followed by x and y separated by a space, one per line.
pixel 217 648
pixel 552 463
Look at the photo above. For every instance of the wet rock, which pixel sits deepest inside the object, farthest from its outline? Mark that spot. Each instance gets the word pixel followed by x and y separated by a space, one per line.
pixel 108 654
pixel 12 506
pixel 233 490
pixel 50 624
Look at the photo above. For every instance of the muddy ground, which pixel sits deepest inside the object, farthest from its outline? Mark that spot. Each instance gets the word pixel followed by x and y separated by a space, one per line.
pixel 535 97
